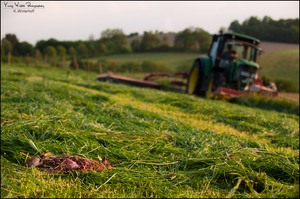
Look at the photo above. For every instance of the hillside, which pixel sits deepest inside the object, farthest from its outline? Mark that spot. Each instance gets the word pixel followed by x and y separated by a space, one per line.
pixel 160 144
pixel 281 65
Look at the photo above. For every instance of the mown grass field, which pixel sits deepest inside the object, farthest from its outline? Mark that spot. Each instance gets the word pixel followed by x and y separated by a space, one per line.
pixel 160 144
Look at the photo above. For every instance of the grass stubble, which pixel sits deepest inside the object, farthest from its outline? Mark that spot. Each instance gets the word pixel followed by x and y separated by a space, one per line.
pixel 160 144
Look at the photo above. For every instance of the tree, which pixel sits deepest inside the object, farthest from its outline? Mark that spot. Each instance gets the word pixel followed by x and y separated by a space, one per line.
pixel 235 26
pixel 61 52
pixel 136 45
pixel 14 41
pixel 135 34
pixel 25 49
pixel 149 42
pixel 12 38
pixel 50 54
pixel 82 49
pixel 267 29
pixel 102 49
pixel 110 33
pixel 3 55
pixel 115 41
pixel 184 40
pixel 267 20
pixel 6 49
pixel 192 40
pixel 72 51
pixel 74 64
pixel 42 44
pixel 38 56
pixel 202 39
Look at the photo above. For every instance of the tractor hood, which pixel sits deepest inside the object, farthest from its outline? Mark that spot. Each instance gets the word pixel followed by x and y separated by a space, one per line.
pixel 246 62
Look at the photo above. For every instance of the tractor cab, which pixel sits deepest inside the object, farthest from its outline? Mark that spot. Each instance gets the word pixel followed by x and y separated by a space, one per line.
pixel 236 50
pixel 245 47
pixel 235 61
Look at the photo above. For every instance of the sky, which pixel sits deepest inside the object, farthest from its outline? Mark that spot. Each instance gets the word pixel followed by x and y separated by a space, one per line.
pixel 79 20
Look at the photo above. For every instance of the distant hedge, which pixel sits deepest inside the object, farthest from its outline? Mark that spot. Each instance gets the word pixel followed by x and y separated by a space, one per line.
pixel 267 29
pixel 104 66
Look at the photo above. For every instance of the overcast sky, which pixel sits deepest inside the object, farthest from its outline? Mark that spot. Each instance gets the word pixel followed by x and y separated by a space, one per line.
pixel 67 20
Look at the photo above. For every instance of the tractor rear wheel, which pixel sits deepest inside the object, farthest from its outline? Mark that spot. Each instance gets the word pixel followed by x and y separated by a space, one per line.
pixel 196 79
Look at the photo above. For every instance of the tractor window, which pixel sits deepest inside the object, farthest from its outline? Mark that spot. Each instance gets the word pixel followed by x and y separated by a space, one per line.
pixel 245 51
pixel 249 53
pixel 213 51
pixel 239 50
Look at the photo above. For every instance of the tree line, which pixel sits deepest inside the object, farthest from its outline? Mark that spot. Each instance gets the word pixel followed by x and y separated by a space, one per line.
pixel 114 41
pixel 267 29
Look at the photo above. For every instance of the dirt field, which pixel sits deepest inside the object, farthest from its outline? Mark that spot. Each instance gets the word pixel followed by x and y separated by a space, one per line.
pixel 274 46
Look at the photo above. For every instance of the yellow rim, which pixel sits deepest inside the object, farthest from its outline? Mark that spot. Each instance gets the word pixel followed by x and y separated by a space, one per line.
pixel 193 80
pixel 209 90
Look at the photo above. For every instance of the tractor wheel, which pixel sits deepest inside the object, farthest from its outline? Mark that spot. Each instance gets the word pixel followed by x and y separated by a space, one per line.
pixel 196 79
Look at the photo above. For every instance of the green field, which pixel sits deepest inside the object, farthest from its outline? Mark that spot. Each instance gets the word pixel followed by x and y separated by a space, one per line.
pixel 160 144
pixel 281 65
pixel 174 61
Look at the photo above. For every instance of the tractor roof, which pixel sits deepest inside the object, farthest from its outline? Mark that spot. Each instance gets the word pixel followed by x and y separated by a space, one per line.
pixel 238 36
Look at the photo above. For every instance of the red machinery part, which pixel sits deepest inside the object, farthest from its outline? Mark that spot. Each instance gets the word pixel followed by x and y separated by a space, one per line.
pixel 128 80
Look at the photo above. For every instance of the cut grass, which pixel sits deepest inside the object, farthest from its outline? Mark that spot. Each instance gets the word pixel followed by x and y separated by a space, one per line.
pixel 160 144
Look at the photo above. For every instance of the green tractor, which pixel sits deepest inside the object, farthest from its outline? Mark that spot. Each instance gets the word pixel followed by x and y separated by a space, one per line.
pixel 230 73
pixel 229 69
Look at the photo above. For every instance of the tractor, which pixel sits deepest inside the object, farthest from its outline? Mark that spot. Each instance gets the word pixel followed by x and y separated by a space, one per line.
pixel 231 73
pixel 230 68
